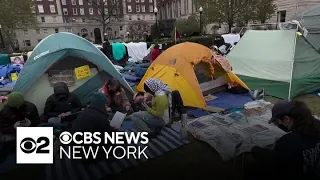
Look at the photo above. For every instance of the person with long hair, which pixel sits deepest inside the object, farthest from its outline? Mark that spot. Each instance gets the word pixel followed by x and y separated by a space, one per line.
pixel 157 116
pixel 291 157
pixel 118 99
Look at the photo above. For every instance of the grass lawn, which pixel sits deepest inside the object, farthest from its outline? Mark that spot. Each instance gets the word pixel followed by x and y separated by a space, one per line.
pixel 197 159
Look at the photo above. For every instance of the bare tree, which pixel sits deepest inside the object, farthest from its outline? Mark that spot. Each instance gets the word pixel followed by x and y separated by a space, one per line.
pixel 138 29
pixel 107 9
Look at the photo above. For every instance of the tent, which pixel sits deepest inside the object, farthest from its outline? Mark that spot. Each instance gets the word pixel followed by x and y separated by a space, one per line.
pixel 63 52
pixel 310 19
pixel 281 61
pixel 177 67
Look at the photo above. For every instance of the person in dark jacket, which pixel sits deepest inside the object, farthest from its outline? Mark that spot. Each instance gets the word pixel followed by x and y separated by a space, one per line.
pixel 290 158
pixel 95 118
pixel 17 113
pixel 61 104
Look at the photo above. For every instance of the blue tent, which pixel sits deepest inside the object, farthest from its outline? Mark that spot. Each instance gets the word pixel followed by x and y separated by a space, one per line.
pixel 63 52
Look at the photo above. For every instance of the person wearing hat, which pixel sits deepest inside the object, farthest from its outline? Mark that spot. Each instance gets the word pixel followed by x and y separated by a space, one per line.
pixel 17 112
pixel 95 118
pixel 297 153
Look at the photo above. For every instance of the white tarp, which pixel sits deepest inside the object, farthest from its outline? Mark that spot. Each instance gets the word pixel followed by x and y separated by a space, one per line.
pixel 227 135
pixel 136 51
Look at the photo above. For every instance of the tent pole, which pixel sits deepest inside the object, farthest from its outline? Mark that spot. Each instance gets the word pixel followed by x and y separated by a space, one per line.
pixel 294 52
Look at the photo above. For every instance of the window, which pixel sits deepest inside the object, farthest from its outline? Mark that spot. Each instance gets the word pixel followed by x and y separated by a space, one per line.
pixel 121 28
pixel 45 31
pixel 75 11
pixel 130 17
pixel 113 2
pixel 52 9
pixel 40 9
pixel 143 17
pixel 54 19
pixel 137 1
pixel 65 11
pixel 150 8
pixel 138 17
pixel 67 20
pixel 63 2
pixel 81 11
pixel 39 40
pixel 150 1
pixel 129 0
pixel 106 11
pixel 98 2
pixel 56 30
pixel 80 2
pixel 91 11
pixel 143 8
pixel 83 20
pixel 73 2
pixel 50 0
pixel 25 32
pixel 142 1
pixel 282 16
pixel 43 19
pixel 129 8
pixel 37 31
pixel 69 30
pixel 27 42
pixel 89 2
pixel 137 8
pixel 114 12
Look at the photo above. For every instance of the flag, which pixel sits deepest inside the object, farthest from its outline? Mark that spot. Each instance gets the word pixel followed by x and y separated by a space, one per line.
pixel 175 35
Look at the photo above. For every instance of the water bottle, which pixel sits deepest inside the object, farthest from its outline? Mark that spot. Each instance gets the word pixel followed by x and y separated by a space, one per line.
pixel 183 129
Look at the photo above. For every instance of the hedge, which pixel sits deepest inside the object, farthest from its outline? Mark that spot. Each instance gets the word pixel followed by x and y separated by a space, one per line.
pixel 204 40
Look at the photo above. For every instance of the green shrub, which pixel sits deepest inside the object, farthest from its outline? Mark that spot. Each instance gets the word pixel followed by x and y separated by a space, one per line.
pixel 204 40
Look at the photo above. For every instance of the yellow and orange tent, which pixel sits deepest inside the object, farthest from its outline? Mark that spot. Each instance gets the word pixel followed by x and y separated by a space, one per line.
pixel 175 67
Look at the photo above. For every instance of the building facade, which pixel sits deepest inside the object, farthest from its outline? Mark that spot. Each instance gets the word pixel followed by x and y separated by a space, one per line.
pixel 84 16
pixel 175 9
pixel 287 9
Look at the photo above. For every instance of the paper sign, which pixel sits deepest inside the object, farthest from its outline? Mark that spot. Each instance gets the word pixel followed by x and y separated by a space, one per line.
pixel 82 72
pixel 117 120
pixel 14 77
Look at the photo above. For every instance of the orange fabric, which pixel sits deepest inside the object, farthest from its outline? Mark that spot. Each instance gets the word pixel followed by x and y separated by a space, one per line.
pixel 183 57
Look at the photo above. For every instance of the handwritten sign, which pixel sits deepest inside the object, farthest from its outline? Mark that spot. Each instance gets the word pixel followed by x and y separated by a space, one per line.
pixel 82 72
pixel 14 77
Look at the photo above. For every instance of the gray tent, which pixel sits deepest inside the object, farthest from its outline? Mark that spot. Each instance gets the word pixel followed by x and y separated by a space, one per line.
pixel 310 19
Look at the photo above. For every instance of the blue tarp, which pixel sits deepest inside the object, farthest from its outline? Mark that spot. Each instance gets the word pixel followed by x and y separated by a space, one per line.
pixel 224 100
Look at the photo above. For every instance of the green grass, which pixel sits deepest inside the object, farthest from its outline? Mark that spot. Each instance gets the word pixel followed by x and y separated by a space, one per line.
pixel 197 159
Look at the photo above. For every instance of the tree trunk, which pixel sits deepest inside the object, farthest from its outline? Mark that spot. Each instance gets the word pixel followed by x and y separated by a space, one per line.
pixel 230 25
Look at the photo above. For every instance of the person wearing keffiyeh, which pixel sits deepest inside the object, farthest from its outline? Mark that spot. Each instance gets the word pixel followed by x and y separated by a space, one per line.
pixel 157 116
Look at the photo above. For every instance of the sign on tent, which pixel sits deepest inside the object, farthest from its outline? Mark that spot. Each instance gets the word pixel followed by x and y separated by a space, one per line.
pixel 14 77
pixel 82 72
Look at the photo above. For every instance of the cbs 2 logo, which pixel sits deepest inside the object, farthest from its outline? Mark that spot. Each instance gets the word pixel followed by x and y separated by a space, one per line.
pixel 29 145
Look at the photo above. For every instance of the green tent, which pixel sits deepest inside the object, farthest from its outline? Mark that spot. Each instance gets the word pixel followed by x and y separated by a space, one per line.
pixel 281 61
pixel 63 52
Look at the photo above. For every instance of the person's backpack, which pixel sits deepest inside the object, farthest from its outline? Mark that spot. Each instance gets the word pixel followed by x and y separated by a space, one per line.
pixel 311 165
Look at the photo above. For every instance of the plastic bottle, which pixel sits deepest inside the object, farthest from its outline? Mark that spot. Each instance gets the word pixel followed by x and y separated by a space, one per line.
pixel 183 129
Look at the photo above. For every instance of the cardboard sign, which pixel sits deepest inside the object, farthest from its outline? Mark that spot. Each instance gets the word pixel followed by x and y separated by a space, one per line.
pixel 82 72
pixel 14 77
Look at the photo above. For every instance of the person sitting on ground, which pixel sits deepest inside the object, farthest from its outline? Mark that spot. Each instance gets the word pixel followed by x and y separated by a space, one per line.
pixel 95 118
pixel 138 99
pixel 61 104
pixel 157 116
pixel 294 152
pixel 117 96
pixel 17 112
pixel 155 52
